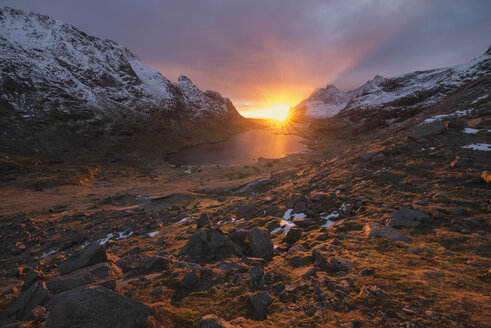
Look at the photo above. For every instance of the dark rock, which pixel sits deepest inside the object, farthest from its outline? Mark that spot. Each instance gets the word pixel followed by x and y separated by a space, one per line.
pixel 367 272
pixel 246 211
pixel 427 130
pixel 212 321
pixel 303 222
pixel 153 263
pixel 189 281
pixel 31 278
pixel 203 221
pixel 299 207
pixel 35 295
pixel 210 244
pixel 457 124
pixel 376 230
pixel 260 303
pixel 405 217
pixel 293 235
pixel 256 274
pixel 81 277
pixel 319 197
pixel 372 291
pixel 260 243
pixel 460 163
pixel 93 254
pixel 95 307
pixel 37 314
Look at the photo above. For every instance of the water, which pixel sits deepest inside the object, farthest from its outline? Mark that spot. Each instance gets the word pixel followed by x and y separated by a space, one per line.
pixel 240 149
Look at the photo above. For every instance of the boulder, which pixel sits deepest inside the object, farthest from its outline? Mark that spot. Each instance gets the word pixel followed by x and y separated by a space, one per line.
pixel 460 163
pixel 457 124
pixel 256 274
pixel 373 229
pixel 35 295
pixel 93 254
pixel 212 321
pixel 95 307
pixel 260 303
pixel 334 264
pixel 81 277
pixel 189 281
pixel 260 243
pixel 293 235
pixel 154 263
pixel 203 221
pixel 210 244
pixel 405 217
pixel 427 130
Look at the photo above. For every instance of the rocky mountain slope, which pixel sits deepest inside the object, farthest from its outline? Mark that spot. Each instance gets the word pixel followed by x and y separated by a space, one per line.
pixel 55 76
pixel 397 97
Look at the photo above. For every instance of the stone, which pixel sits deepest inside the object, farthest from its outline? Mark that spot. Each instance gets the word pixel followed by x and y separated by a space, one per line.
pixel 334 264
pixel 427 130
pixel 486 176
pixel 210 244
pixel 303 222
pixel 93 254
pixel 460 163
pixel 373 291
pixel 246 211
pixel 260 243
pixel 95 307
pixel 31 278
pixel 256 274
pixel 35 295
pixel 293 235
pixel 373 229
pixel 260 303
pixel 154 263
pixel 81 277
pixel 212 321
pixel 319 197
pixel 203 221
pixel 457 124
pixel 39 313
pixel 189 281
pixel 405 217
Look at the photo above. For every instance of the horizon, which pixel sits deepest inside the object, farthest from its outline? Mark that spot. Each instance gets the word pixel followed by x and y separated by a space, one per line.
pixel 267 58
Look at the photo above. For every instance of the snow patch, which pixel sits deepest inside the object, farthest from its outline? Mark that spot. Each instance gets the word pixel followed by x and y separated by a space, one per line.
pixel 478 99
pixel 470 131
pixel 115 236
pixel 46 254
pixel 478 146
pixel 153 233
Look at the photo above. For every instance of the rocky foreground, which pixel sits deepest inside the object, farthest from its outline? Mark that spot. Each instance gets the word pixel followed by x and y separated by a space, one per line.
pixel 391 232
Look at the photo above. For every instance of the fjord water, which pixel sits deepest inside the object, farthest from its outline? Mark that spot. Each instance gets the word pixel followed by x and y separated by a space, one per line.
pixel 242 148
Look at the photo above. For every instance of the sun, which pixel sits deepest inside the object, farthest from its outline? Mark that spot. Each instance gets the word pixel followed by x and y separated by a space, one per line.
pixel 277 112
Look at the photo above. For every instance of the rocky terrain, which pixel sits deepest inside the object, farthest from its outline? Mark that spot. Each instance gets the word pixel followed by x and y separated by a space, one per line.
pixel 69 95
pixel 389 230
pixel 385 227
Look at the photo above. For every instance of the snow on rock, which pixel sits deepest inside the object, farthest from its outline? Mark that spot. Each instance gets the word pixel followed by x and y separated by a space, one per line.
pixel 471 131
pixel 115 236
pixel 153 233
pixel 441 117
pixel 478 146
pixel 329 222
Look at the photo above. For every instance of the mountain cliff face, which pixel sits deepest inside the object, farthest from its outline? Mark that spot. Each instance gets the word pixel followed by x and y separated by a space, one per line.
pixel 397 96
pixel 54 73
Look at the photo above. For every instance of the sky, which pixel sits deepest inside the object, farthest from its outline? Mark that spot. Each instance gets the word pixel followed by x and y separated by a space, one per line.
pixel 274 53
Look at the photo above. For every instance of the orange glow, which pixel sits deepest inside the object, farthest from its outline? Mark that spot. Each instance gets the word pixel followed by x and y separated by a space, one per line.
pixel 277 112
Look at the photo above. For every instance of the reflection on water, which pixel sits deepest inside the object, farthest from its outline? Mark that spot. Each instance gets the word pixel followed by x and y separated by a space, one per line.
pixel 242 148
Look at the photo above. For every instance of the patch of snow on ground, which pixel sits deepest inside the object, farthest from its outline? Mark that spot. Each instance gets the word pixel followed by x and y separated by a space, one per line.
pixel 430 148
pixel 480 98
pixel 185 219
pixel 250 184
pixel 471 131
pixel 46 254
pixel 153 233
pixel 118 236
pixel 479 146
pixel 457 113
pixel 329 222
pixel 286 224
pixel 85 244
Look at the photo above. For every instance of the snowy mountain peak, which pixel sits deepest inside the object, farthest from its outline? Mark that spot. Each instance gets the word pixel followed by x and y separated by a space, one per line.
pixel 47 65
pixel 410 91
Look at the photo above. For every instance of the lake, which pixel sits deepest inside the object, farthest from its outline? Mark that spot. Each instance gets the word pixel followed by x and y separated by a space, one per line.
pixel 240 149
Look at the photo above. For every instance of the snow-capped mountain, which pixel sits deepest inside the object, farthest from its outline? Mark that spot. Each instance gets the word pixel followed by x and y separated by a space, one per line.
pixel 46 65
pixel 409 92
pixel 68 89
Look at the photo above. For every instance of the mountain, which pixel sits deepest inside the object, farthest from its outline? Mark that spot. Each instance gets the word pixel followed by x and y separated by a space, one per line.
pixel 393 98
pixel 54 76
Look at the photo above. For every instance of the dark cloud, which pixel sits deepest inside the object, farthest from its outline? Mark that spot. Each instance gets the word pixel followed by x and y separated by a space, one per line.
pixel 279 50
